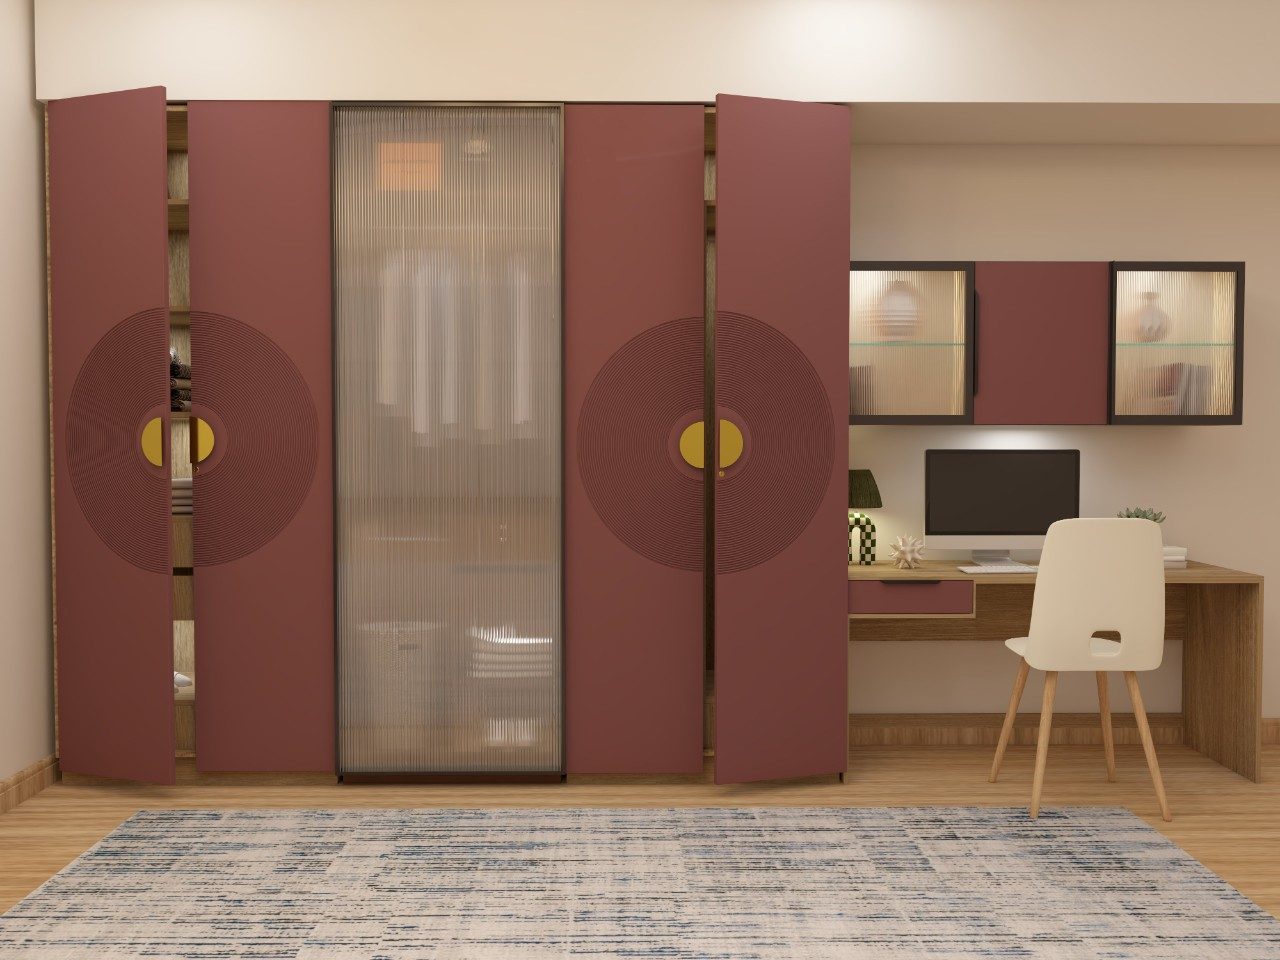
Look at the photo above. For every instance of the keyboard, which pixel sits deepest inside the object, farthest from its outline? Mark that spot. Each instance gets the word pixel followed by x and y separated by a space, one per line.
pixel 1000 568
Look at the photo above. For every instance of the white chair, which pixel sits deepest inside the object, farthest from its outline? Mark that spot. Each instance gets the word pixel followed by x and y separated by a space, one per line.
pixel 1095 576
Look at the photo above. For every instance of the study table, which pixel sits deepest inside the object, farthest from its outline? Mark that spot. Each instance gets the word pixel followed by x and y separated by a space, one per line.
pixel 1214 611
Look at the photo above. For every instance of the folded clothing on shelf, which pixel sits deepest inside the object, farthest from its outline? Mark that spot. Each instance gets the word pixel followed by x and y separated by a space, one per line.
pixel 1175 557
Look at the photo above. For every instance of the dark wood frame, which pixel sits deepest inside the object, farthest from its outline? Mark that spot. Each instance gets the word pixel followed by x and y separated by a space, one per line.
pixel 1237 391
pixel 968 267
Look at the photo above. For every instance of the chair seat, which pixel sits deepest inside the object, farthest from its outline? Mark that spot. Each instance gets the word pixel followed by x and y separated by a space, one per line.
pixel 1098 647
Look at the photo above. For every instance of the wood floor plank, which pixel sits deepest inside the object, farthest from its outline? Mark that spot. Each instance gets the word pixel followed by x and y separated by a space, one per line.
pixel 1226 822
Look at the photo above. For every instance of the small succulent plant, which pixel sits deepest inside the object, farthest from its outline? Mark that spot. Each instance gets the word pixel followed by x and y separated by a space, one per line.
pixel 1142 513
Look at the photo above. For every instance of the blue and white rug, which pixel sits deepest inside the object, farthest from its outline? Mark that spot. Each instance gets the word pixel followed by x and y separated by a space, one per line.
pixel 789 883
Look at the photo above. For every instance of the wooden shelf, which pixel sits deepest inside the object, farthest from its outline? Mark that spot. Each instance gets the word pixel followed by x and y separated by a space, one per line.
pixel 709 130
pixel 180 317
pixel 176 127
pixel 179 216
pixel 182 542
pixel 711 216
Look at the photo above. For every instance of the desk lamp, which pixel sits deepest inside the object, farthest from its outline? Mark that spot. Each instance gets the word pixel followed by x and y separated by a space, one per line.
pixel 863 495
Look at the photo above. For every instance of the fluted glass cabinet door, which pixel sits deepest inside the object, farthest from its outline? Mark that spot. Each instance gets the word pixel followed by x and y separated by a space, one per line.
pixel 1177 342
pixel 910 342
pixel 448 453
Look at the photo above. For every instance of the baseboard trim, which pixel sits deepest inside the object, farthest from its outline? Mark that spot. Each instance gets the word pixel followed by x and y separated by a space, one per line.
pixel 983 729
pixel 1270 731
pixel 26 783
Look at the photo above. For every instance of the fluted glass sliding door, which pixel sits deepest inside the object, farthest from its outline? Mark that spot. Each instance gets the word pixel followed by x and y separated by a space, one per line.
pixel 448 439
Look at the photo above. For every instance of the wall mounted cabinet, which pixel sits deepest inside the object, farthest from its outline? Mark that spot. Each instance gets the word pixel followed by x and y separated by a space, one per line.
pixel 1045 343
pixel 911 342
pixel 1177 343
pixel 1041 332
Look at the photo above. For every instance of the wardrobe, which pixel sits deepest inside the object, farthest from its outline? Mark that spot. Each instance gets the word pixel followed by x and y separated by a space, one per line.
pixel 253 563
pixel 456 510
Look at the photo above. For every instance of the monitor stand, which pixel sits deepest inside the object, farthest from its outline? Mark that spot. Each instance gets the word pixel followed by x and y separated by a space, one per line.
pixel 993 558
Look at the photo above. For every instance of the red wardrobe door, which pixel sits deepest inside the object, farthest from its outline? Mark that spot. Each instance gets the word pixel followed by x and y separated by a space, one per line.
pixel 782 314
pixel 1043 343
pixel 261 356
pixel 109 297
pixel 633 380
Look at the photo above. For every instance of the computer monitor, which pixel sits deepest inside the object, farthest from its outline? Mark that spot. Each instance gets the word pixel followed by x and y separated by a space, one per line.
pixel 994 501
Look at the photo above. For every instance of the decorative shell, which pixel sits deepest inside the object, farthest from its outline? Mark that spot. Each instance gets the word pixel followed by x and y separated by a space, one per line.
pixel 907 553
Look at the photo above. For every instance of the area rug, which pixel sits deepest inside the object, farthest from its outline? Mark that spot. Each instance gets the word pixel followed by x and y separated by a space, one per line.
pixel 782 883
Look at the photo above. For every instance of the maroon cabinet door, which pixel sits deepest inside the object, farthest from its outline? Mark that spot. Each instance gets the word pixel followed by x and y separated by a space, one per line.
pixel 782 379
pixel 261 357
pixel 1043 343
pixel 109 296
pixel 633 381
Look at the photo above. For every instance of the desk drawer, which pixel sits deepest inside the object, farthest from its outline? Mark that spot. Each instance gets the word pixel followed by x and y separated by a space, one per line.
pixel 910 598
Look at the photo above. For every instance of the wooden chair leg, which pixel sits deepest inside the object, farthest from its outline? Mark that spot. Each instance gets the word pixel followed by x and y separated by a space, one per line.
pixel 1148 746
pixel 1019 683
pixel 1042 744
pixel 1104 715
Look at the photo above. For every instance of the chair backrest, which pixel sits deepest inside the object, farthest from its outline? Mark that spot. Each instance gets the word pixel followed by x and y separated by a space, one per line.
pixel 1098 575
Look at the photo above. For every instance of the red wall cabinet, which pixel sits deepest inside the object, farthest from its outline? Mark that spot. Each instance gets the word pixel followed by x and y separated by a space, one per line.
pixel 1042 333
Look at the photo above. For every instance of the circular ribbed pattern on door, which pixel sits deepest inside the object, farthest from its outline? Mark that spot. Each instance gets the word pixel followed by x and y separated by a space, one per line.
pixel 764 505
pixel 122 384
pixel 265 458
pixel 624 455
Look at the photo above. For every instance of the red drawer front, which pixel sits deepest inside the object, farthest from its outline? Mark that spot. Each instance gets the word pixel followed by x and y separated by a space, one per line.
pixel 887 597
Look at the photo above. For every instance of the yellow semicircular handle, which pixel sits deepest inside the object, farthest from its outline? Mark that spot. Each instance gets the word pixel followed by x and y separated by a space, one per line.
pixel 204 439
pixel 731 443
pixel 691 445
pixel 153 442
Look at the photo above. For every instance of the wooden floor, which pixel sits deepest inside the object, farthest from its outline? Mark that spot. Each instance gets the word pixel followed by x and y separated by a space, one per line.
pixel 1228 823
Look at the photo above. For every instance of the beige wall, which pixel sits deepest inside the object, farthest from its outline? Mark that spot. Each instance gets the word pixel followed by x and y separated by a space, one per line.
pixel 1217 484
pixel 841 50
pixel 26 726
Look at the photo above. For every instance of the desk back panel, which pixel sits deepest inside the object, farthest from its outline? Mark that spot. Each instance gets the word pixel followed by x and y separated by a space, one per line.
pixel 782 377
pixel 261 346
pixel 109 289
pixel 633 380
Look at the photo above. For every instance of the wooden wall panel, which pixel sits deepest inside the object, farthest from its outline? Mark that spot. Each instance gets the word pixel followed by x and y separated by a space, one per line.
pixel 633 380
pixel 108 263
pixel 782 377
pixel 261 350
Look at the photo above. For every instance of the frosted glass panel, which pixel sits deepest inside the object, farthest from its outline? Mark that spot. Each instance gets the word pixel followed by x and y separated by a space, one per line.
pixel 1175 343
pixel 907 342
pixel 448 420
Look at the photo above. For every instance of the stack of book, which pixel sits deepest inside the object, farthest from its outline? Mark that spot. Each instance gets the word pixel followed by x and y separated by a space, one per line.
pixel 180 496
pixel 1175 557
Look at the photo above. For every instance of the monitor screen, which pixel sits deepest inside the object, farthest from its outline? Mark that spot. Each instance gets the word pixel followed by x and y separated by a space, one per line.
pixel 999 492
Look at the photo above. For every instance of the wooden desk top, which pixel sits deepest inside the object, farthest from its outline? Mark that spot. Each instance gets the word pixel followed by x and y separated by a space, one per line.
pixel 1195 572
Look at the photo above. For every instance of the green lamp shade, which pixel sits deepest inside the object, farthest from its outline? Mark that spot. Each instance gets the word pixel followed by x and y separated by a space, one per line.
pixel 863 492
